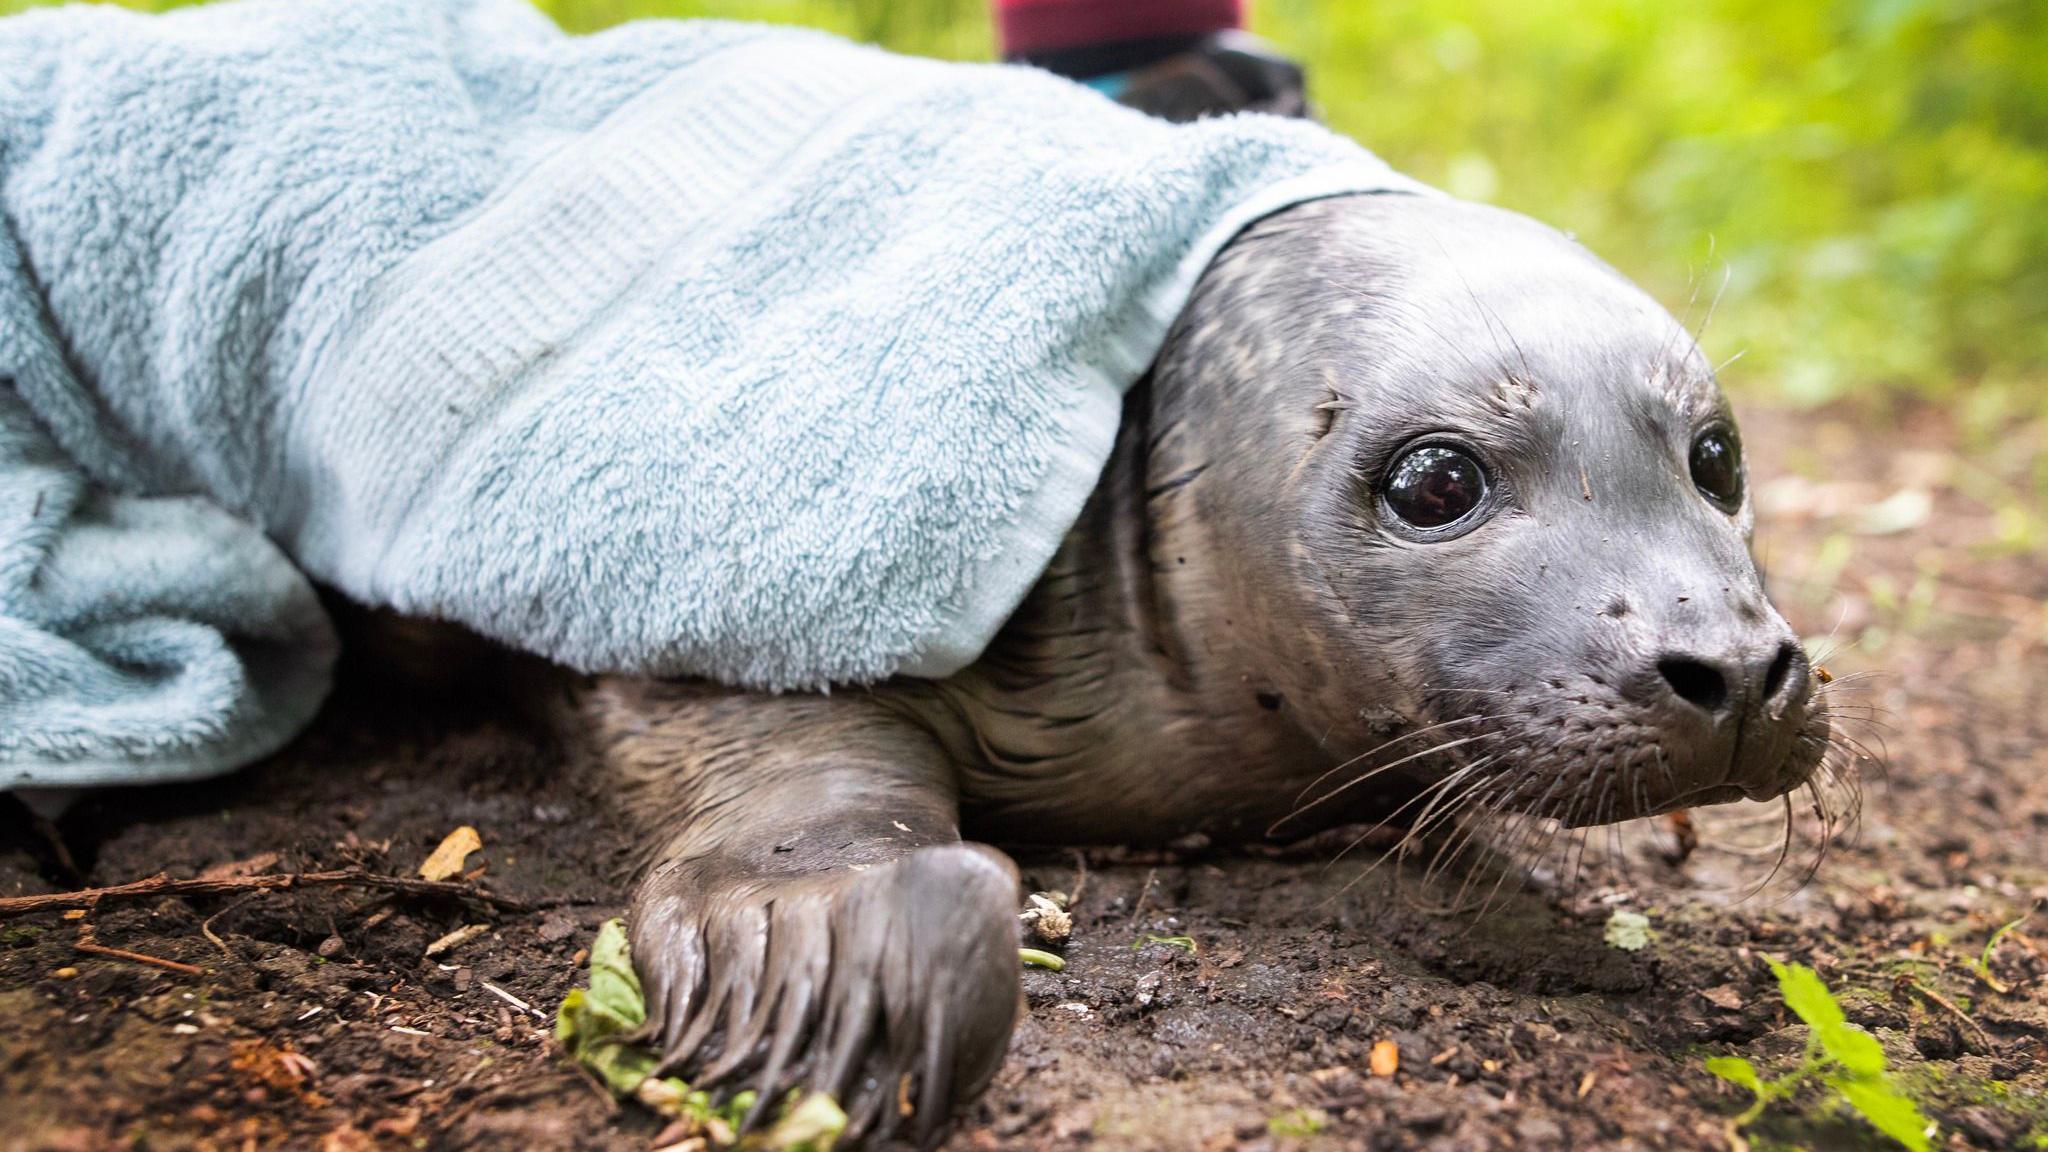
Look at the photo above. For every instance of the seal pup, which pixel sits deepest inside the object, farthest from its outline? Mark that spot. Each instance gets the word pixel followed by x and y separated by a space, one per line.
pixel 1407 467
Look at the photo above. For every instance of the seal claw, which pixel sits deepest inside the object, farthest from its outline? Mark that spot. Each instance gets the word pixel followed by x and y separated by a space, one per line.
pixel 892 989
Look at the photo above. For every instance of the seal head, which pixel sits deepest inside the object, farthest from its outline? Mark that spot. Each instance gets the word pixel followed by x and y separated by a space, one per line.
pixel 1513 513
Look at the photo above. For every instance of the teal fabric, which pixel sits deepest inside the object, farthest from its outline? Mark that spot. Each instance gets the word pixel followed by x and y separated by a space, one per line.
pixel 685 349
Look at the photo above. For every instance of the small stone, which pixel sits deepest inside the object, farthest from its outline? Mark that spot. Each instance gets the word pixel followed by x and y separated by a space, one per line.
pixel 1385 1059
pixel 1989 1128
pixel 330 947
pixel 1424 1116
pixel 1148 988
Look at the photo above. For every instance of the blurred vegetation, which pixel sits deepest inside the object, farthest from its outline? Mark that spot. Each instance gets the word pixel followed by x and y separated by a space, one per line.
pixel 1863 184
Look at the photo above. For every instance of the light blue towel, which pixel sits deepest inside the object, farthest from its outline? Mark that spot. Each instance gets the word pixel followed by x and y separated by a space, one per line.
pixel 683 349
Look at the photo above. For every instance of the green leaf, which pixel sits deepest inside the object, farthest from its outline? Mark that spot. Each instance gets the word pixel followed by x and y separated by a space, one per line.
pixel 1038 958
pixel 1982 964
pixel 1184 943
pixel 593 1022
pixel 1991 945
pixel 1808 997
pixel 1888 1111
pixel 1857 1051
pixel 1737 1070
pixel 814 1121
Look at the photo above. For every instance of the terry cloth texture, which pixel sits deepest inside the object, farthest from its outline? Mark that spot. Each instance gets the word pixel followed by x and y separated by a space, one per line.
pixel 683 349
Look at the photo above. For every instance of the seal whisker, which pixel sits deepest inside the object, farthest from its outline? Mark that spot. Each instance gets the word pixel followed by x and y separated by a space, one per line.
pixel 1432 795
pixel 1484 796
pixel 1451 803
pixel 1372 830
pixel 1439 790
pixel 1302 809
pixel 1472 836
pixel 1530 839
pixel 1858 753
pixel 1699 335
pixel 1784 851
pixel 1382 746
pixel 1822 841
pixel 1582 831
pixel 1692 301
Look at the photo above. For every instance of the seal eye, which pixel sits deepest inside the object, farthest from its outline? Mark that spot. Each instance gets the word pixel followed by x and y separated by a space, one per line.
pixel 1431 486
pixel 1717 467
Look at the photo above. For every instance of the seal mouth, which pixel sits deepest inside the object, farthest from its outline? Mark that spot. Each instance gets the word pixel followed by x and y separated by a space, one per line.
pixel 1707 797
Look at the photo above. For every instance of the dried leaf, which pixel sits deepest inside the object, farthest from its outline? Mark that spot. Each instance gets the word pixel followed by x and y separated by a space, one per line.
pixel 455 848
pixel 1726 996
pixel 1628 931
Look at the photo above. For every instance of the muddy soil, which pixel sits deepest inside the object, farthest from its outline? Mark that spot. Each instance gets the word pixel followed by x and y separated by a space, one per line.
pixel 1909 547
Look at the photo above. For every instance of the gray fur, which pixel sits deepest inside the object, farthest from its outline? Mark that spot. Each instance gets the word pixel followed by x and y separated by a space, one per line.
pixel 1231 619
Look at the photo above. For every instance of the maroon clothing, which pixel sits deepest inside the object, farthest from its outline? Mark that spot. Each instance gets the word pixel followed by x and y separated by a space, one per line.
pixel 1032 27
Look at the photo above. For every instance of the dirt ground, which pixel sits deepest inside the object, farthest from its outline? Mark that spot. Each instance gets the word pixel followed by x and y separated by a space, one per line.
pixel 317 1021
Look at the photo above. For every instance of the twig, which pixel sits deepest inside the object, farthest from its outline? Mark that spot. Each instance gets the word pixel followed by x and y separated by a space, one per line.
pixel 509 998
pixel 206 925
pixel 1934 997
pixel 139 958
pixel 87 942
pixel 1144 894
pixel 1080 879
pixel 162 885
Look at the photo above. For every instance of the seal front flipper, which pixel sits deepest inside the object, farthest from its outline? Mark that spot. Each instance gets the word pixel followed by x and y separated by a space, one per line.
pixel 810 918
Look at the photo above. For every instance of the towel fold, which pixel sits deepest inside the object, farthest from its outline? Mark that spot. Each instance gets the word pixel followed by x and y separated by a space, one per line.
pixel 684 349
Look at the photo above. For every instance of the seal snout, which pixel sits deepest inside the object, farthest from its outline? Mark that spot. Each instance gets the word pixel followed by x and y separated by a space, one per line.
pixel 1745 701
pixel 1773 678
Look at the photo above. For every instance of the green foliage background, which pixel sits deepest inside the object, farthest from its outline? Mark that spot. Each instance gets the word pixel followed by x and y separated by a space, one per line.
pixel 1862 183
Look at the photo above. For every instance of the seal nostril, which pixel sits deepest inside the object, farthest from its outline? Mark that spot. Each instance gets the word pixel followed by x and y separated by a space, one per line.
pixel 1695 683
pixel 1781 667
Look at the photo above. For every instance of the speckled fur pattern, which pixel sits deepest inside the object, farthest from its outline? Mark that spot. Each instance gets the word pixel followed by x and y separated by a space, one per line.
pixel 1234 639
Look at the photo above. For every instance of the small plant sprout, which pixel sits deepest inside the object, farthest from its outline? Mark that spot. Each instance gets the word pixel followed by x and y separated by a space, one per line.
pixel 1184 943
pixel 1981 964
pixel 1845 1058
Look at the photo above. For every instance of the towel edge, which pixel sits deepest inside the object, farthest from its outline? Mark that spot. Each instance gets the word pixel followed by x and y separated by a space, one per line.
pixel 997 583
pixel 289 710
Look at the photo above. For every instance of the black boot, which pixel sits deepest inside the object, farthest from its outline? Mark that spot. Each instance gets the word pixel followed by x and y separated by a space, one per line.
pixel 1187 78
